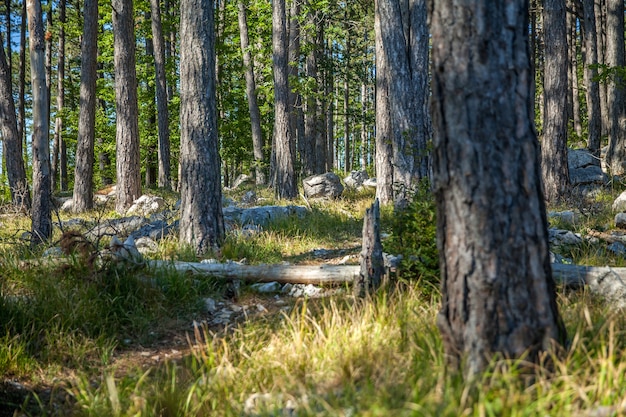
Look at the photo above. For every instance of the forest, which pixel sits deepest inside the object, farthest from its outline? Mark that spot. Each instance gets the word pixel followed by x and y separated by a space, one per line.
pixel 307 208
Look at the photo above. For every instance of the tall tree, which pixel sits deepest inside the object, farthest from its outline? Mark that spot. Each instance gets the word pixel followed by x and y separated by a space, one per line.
pixel 616 93
pixel 21 103
pixel 58 130
pixel 127 127
pixel 554 141
pixel 83 177
pixel 12 141
pixel 253 105
pixel 498 296
pixel 42 194
pixel 284 178
pixel 201 219
pixel 404 39
pixel 158 42
pixel 592 90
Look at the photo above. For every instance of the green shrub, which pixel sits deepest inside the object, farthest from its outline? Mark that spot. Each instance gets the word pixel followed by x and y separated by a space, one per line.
pixel 414 236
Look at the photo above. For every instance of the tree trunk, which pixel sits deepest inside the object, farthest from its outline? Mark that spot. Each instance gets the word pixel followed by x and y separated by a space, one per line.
pixel 600 13
pixel 58 129
pixel 554 141
pixel 311 111
pixel 158 42
pixel 591 83
pixel 151 162
pixel 384 169
pixel 407 81
pixel 284 174
pixel 42 197
pixel 253 105
pixel 127 126
pixel 83 176
pixel 201 221
pixel 573 72
pixel 21 103
pixel 372 268
pixel 498 296
pixel 616 96
pixel 12 141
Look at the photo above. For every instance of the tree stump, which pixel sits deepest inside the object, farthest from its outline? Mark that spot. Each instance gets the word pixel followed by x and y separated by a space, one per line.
pixel 372 264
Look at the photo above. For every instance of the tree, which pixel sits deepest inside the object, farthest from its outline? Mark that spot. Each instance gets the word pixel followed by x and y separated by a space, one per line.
pixel 253 106
pixel 201 219
pixel 616 94
pixel 58 129
pixel 83 177
pixel 554 141
pixel 591 79
pixel 498 296
pixel 404 39
pixel 11 139
pixel 127 127
pixel 42 193
pixel 284 178
pixel 158 43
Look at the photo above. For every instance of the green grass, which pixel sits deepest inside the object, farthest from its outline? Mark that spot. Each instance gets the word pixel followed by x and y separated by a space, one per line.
pixel 65 326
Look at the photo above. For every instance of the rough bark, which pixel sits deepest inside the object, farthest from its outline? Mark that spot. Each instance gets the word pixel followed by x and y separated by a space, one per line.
pixel 311 112
pixel 41 213
pixel 127 126
pixel 158 42
pixel 372 269
pixel 284 180
pixel 592 85
pixel 201 221
pixel 384 169
pixel 83 175
pixel 600 13
pixel 404 38
pixel 573 72
pixel 498 296
pixel 21 103
pixel 616 95
pixel 253 105
pixel 554 141
pixel 12 141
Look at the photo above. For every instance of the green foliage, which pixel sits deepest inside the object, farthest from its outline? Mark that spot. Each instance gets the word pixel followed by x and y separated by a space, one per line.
pixel 414 235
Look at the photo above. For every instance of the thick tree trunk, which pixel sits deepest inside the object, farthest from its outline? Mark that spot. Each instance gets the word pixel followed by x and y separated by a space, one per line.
pixel 201 221
pixel 554 141
pixel 158 42
pixel 616 95
pixel 127 126
pixel 592 85
pixel 253 105
pixel 284 180
pixel 498 296
pixel 42 196
pixel 384 169
pixel 12 141
pixel 83 176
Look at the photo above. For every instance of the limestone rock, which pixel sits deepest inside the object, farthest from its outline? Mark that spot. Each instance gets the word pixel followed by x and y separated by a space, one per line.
pixel 326 185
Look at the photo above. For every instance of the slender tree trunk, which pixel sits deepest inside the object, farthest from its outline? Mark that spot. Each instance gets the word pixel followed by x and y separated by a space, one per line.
pixel 284 175
pixel 42 197
pixel 311 112
pixel 554 141
pixel 363 126
pixel 48 52
pixel 498 296
pixel 253 105
pixel 329 115
pixel 16 172
pixel 152 157
pixel 158 41
pixel 83 177
pixel 346 102
pixel 616 95
pixel 573 71
pixel 21 104
pixel 201 221
pixel 592 89
pixel 58 129
pixel 600 13
pixel 127 127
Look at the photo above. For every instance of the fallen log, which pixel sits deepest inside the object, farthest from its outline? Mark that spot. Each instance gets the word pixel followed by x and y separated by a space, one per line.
pixel 607 282
pixel 294 274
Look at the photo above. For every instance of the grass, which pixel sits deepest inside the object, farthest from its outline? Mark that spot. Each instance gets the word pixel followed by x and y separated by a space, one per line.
pixel 67 330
